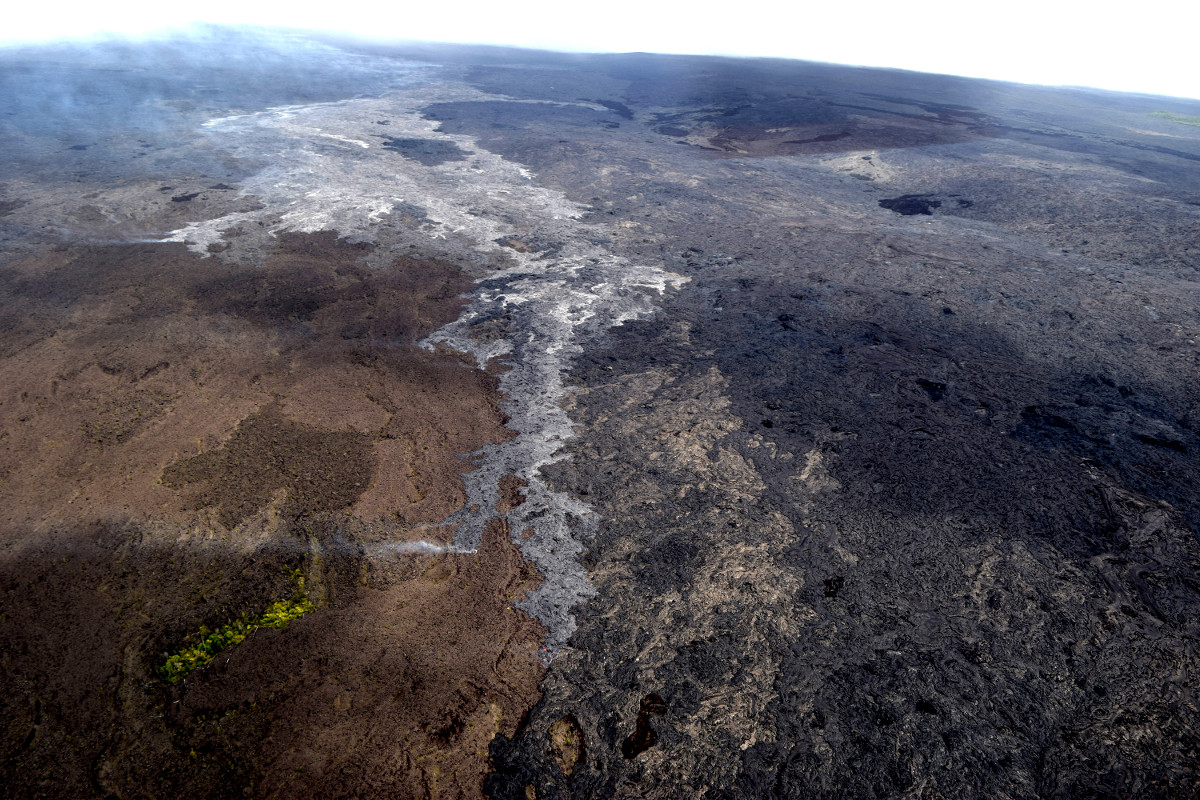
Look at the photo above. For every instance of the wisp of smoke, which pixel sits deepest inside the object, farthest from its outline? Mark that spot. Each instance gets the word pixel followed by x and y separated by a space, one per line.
pixel 335 546
pixel 420 547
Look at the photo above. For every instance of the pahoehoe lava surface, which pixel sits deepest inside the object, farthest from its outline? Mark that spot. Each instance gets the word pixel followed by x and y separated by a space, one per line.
pixel 642 426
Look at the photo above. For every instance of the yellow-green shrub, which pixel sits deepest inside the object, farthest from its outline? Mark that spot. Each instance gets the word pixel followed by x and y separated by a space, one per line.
pixel 208 643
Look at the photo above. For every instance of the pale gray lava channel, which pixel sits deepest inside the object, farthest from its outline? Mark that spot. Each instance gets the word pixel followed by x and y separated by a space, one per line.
pixel 326 169
pixel 553 306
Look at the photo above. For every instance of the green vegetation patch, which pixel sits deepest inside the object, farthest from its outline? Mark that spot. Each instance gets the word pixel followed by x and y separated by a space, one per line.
pixel 1180 118
pixel 203 647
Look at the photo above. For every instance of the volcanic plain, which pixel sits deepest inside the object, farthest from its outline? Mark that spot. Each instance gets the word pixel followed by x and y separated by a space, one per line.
pixel 608 426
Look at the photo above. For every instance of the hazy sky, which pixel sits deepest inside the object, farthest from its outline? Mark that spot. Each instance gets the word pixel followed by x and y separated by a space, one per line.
pixel 1148 46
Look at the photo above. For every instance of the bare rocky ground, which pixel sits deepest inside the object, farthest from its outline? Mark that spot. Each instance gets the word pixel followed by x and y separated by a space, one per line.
pixel 834 430
pixel 178 436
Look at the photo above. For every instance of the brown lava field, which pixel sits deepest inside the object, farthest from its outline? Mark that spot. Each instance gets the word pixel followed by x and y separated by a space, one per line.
pixel 178 434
